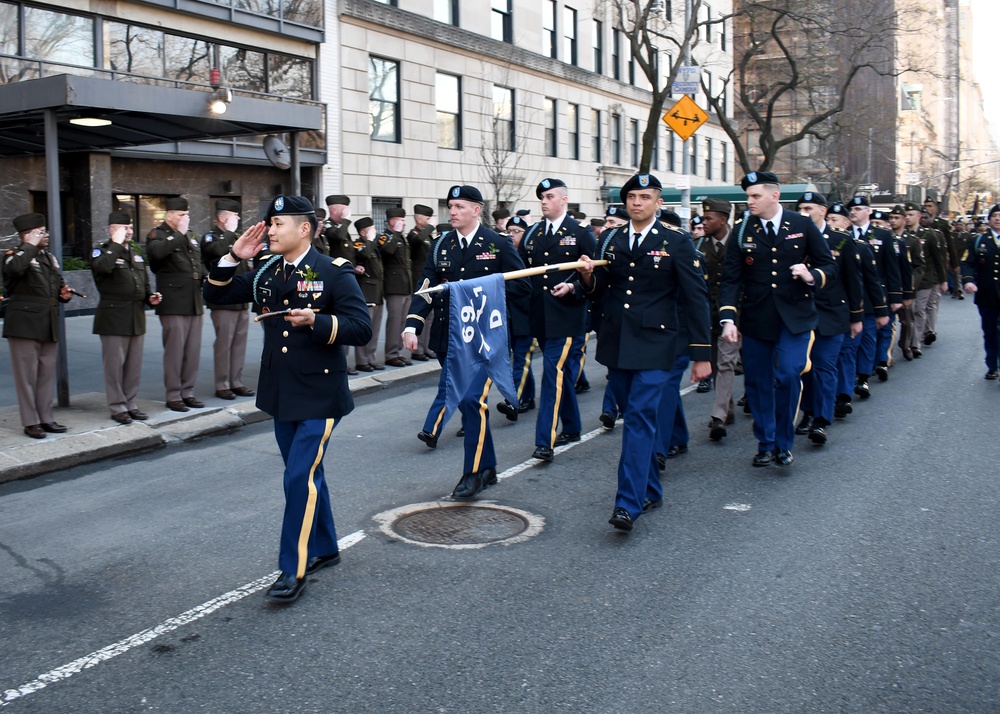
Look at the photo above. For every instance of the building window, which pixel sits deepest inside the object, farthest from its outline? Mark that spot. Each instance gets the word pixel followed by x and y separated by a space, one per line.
pixel 668 10
pixel 707 89
pixel 569 35
pixel 633 131
pixel 708 23
pixel 549 27
pixel 722 35
pixel 383 99
pixel 56 37
pixel 670 68
pixel 448 98
pixel 501 24
pixel 616 139
pixel 631 69
pixel 598 47
pixel 616 54
pixel 595 135
pixel 656 152
pixel 573 129
pixel 446 11
pixel 379 206
pixel 694 155
pixel 503 118
pixel 724 163
pixel 550 126
pixel 670 151
pixel 708 158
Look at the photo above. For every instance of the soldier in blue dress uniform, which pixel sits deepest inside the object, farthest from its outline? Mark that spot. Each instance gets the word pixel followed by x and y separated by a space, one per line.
pixel 303 372
pixel 765 275
pixel 981 276
pixel 469 250
pixel 522 344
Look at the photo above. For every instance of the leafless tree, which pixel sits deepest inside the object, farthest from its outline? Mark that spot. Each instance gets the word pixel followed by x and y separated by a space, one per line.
pixel 503 151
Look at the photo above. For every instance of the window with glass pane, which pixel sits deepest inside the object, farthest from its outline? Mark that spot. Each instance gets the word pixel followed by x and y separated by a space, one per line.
pixel 724 163
pixel 670 68
pixel 634 139
pixel 289 76
pixel 573 129
pixel 656 152
pixel 243 69
pixel 694 155
pixel 501 24
pixel 616 139
pixel 446 11
pixel 271 8
pixel 306 12
pixel 550 126
pixel 616 54
pixel 708 158
pixel 671 151
pixel 383 99
pixel 8 29
pixel 549 26
pixel 448 98
pixel 598 42
pixel 595 135
pixel 722 35
pixel 136 50
pixel 569 35
pixel 631 68
pixel 503 117
pixel 186 59
pixel 708 23
pixel 58 37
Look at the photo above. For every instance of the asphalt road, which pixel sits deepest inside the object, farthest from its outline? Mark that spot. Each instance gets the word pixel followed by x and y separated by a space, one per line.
pixel 862 579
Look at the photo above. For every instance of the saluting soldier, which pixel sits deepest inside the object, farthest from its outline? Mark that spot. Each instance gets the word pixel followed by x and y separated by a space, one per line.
pixel 123 282
pixel 778 313
pixel 981 276
pixel 555 322
pixel 303 380
pixel 231 322
pixel 420 238
pixel 370 278
pixel 654 273
pixel 398 284
pixel 338 239
pixel 34 288
pixel 175 259
pixel 469 250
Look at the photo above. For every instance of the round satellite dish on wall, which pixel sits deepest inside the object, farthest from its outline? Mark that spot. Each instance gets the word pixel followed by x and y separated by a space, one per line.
pixel 276 152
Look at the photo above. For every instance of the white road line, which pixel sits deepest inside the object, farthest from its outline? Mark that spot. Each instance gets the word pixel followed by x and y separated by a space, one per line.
pixel 122 646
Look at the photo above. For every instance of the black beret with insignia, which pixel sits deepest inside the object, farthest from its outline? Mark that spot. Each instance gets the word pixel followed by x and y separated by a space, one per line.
pixel 524 212
pixel 878 215
pixel 465 193
pixel 640 181
pixel 119 218
pixel 517 222
pixel 28 221
pixel 811 197
pixel 859 201
pixel 616 212
pixel 290 206
pixel 995 209
pixel 756 178
pixel 696 220
pixel 669 217
pixel 548 184
pixel 839 209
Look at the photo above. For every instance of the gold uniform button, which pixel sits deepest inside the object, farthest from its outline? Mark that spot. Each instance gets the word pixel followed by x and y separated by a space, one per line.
pixel 462 270
pixel 773 285
pixel 774 250
pixel 326 371
pixel 285 333
pixel 286 302
pixel 628 292
pixel 626 306
pixel 546 254
pixel 284 349
pixel 631 278
pixel 663 327
pixel 631 265
pixel 545 287
pixel 774 272
pixel 775 261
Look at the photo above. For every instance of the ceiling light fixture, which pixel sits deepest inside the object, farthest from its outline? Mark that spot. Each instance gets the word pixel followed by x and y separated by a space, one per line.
pixel 90 121
pixel 220 100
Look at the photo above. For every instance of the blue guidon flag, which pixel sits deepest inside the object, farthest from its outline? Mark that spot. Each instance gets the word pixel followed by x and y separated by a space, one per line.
pixel 477 339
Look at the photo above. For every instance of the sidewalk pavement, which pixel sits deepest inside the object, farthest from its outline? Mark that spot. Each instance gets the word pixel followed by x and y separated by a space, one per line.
pixel 92 434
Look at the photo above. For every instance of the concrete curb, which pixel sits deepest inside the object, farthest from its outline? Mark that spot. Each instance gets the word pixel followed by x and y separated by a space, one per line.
pixel 97 438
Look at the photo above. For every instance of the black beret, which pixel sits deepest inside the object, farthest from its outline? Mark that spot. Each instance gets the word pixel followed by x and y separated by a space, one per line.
pixel 524 212
pixel 338 199
pixel 640 181
pixel 465 193
pixel 930 200
pixel 580 215
pixel 500 213
pixel 878 215
pixel 669 217
pixel 517 222
pixel 811 197
pixel 362 223
pixel 617 212
pixel 718 205
pixel 995 209
pixel 28 221
pixel 695 220
pixel 911 206
pixel 442 227
pixel 227 204
pixel 755 178
pixel 395 213
pixel 290 206
pixel 596 222
pixel 897 210
pixel 422 210
pixel 859 201
pixel 547 184
pixel 839 209
pixel 177 204
pixel 321 213
pixel 119 218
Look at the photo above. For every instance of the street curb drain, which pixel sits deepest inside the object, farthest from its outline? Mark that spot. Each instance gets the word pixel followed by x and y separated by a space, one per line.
pixel 459 526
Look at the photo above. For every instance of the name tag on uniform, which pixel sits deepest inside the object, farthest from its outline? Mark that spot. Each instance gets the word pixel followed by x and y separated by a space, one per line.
pixel 444 264
pixel 265 291
pixel 571 240
pixel 309 286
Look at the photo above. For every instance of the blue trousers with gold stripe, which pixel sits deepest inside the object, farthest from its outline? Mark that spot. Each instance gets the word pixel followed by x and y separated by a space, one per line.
pixel 307 527
pixel 474 409
pixel 639 394
pixel 772 374
pixel 558 398
pixel 523 349
pixel 819 385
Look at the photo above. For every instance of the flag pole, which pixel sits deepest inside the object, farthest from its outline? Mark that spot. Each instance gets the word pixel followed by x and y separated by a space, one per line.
pixel 426 290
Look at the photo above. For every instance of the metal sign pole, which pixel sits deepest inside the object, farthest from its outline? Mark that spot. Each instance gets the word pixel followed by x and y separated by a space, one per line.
pixel 54 224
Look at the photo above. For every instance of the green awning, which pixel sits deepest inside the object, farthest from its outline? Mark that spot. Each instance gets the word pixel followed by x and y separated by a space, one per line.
pixel 734 194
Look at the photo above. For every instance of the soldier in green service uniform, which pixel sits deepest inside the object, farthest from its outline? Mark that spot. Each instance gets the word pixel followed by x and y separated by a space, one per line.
pixel 231 322
pixel 420 238
pixel 123 282
pixel 34 288
pixel 398 284
pixel 370 276
pixel 175 259
pixel 338 240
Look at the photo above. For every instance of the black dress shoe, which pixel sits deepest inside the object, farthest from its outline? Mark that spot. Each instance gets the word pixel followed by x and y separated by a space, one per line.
pixel 508 410
pixel 177 406
pixel 582 388
pixel 564 438
pixel 285 589
pixel 649 505
pixel 192 402
pixel 992 374
pixel 243 392
pixel 784 457
pixel 741 401
pixel 35 431
pixel 704 386
pixel 717 429
pixel 225 394
pixel 544 453
pixel 428 438
pixel 461 431
pixel 365 368
pixel 396 362
pixel 674 451
pixel 882 372
pixel 661 462
pixel 746 406
pixel 322 561
pixel 378 367
pixel 862 389
pixel 763 458
pixel 842 408
pixel 471 484
pixel 138 415
pixel 351 371
pixel 907 355
pixel 53 427
pixel 917 354
pixel 526 405
pixel 431 353
pixel 817 435
pixel 420 357
pixel 804 424
pixel 930 338
pixel 621 520
pixel 608 420
pixel 122 418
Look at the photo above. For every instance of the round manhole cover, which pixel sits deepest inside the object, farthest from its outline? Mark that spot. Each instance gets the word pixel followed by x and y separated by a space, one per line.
pixel 459 525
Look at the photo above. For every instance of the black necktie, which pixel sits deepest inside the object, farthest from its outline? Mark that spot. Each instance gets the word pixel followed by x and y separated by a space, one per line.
pixel 289 268
pixel 636 240
pixel 769 229
pixel 548 232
